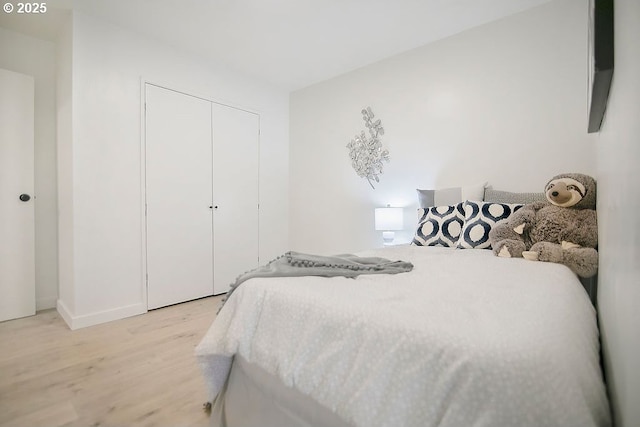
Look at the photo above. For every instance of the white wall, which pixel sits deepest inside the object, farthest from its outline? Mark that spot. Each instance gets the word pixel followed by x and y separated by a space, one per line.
pixel 618 151
pixel 36 57
pixel 504 103
pixel 107 66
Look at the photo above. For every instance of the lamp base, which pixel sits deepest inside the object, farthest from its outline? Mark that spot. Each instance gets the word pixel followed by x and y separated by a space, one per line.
pixel 387 237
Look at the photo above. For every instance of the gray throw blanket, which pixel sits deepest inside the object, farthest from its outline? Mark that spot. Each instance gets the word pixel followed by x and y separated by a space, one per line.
pixel 295 264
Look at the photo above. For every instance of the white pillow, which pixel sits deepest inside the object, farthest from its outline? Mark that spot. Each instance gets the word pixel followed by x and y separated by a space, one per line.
pixel 450 196
pixel 474 192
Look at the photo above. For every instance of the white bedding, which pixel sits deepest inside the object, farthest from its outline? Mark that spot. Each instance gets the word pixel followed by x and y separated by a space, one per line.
pixel 465 339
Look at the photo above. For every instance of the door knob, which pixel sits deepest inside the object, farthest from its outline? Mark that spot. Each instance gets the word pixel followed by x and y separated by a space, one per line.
pixel 25 197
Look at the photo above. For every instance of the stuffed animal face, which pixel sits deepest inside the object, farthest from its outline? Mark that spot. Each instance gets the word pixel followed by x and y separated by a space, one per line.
pixel 571 190
pixel 565 192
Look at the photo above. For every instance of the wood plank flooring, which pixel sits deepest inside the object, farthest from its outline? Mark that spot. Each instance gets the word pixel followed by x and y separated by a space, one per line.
pixel 139 371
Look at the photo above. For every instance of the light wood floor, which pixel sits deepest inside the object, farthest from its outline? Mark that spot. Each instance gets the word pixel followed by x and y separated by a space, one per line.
pixel 139 371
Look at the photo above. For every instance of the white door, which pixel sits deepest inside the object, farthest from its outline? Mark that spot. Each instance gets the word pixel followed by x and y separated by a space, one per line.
pixel 17 235
pixel 178 197
pixel 235 190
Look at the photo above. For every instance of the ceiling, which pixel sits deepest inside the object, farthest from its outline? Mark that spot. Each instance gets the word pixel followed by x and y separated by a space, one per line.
pixel 290 44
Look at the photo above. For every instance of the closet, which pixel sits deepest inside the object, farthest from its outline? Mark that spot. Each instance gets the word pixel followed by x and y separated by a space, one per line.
pixel 201 195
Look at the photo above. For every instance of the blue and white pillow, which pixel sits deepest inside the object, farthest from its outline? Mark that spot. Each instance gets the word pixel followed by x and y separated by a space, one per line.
pixel 479 217
pixel 439 225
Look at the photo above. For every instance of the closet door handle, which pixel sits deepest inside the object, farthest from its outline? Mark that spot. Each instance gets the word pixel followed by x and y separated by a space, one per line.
pixel 213 207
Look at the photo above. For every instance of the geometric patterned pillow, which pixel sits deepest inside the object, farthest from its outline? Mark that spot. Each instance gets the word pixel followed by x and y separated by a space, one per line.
pixel 479 217
pixel 439 225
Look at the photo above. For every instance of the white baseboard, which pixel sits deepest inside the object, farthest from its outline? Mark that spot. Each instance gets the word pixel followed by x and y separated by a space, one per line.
pixel 64 313
pixel 91 319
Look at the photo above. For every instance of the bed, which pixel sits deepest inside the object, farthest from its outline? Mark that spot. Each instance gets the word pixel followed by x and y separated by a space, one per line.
pixel 465 339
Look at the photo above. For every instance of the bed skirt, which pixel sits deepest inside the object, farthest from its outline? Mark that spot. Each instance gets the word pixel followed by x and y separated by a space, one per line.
pixel 252 397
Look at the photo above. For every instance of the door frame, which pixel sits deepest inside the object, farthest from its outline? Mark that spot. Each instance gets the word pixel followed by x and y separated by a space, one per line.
pixel 143 169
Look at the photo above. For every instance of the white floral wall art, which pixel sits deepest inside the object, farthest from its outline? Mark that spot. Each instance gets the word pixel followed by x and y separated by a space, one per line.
pixel 366 152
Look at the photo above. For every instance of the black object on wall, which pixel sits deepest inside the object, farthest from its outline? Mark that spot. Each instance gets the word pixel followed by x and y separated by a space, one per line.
pixel 600 60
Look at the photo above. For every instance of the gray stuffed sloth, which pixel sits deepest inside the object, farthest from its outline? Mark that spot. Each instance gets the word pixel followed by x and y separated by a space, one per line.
pixel 564 230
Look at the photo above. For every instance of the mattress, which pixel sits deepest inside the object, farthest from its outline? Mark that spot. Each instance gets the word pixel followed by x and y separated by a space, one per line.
pixel 465 339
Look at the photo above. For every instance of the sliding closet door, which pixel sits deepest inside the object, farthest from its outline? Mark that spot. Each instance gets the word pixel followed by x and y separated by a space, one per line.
pixel 178 197
pixel 235 148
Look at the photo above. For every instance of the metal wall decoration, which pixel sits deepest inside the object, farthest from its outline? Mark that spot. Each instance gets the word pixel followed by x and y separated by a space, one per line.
pixel 366 152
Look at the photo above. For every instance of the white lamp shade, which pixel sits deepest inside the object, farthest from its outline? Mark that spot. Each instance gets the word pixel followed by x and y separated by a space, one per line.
pixel 389 219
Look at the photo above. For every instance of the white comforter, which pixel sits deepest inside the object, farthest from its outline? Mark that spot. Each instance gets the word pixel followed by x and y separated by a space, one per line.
pixel 466 339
